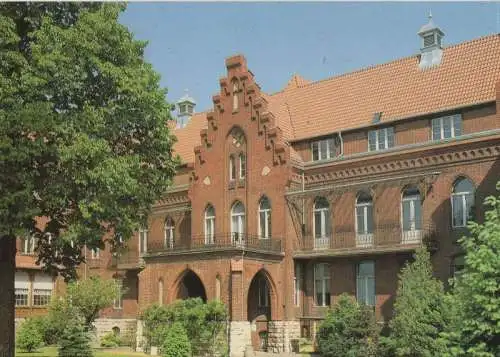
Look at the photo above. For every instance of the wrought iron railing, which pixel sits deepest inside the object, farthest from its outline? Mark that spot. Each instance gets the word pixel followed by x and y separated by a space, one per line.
pixel 239 241
pixel 385 235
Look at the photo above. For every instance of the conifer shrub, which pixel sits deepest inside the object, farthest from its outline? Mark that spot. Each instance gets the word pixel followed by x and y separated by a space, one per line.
pixel 74 340
pixel 176 343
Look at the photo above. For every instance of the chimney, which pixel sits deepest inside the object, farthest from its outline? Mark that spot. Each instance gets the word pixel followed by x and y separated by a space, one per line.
pixel 185 110
pixel 431 50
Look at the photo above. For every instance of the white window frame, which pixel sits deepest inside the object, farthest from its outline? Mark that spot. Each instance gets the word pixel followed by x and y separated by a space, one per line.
pixel 41 289
pixel 243 165
pixel 209 225
pixel 463 201
pixel 22 286
pixel 453 130
pixel 330 149
pixel 237 223
pixel 169 233
pixel 232 168
pixel 267 219
pixel 365 280
pixel 377 132
pixel 28 245
pixel 297 284
pixel 412 199
pixel 95 253
pixel 324 280
pixel 118 300
pixel 143 240
pixel 364 206
pixel 324 214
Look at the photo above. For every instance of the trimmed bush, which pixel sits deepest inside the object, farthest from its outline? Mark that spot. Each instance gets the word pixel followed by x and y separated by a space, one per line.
pixel 29 337
pixel 176 343
pixel 110 340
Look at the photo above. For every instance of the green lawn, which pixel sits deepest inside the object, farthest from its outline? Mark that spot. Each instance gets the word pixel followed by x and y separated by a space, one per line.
pixel 52 352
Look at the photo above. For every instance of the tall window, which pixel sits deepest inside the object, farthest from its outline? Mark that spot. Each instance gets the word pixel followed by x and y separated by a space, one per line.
pixel 28 244
pixel 209 224
pixel 462 201
pixel 322 284
pixel 381 139
pixel 235 95
pixel 143 240
pixel 42 289
pixel 232 168
pixel 297 284
pixel 321 218
pixel 237 222
pixel 95 253
pixel 118 302
pixel 264 218
pixel 21 286
pixel 263 292
pixel 447 127
pixel 243 165
pixel 365 283
pixel 169 233
pixel 364 214
pixel 325 149
pixel 411 207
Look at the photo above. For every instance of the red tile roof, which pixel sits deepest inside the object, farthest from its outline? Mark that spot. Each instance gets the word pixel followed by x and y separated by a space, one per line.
pixel 399 89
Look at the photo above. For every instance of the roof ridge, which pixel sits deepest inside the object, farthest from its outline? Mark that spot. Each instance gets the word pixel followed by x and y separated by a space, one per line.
pixel 379 65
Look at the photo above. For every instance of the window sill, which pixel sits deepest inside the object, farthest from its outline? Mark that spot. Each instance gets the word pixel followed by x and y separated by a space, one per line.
pixel 241 182
pixel 231 185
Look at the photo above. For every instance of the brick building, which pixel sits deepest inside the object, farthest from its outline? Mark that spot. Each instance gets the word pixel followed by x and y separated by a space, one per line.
pixel 284 201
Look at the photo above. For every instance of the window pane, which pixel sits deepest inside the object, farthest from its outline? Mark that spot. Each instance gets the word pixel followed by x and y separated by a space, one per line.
pixel 369 214
pixel 323 149
pixel 406 216
pixel 315 150
pixel 370 291
pixel 457 124
pixel 372 140
pixel 417 204
pixel 458 211
pixel 331 148
pixel 381 139
pixel 328 226
pixel 436 129
pixel 317 224
pixel 390 137
pixel 463 185
pixel 447 127
pixel 366 268
pixel 262 217
pixel 360 219
pixel 469 200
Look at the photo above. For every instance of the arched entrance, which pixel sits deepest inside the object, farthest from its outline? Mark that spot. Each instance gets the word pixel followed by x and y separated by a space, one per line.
pixel 190 286
pixel 259 309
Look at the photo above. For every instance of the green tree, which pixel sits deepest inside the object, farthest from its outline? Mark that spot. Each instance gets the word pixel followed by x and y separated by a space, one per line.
pixel 349 330
pixel 476 293
pixel 419 311
pixel 29 337
pixel 83 136
pixel 176 343
pixel 74 341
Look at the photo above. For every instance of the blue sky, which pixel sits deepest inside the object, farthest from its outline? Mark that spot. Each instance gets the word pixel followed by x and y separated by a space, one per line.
pixel 188 42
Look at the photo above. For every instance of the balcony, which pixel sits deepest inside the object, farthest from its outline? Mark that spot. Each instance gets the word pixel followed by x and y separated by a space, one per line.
pixel 229 242
pixel 384 238
pixel 127 259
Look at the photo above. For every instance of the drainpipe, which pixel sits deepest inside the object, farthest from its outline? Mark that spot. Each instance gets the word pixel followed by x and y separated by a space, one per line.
pixel 341 144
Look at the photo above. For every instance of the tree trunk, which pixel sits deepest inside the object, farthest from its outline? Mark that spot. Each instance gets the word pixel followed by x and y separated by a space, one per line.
pixel 7 308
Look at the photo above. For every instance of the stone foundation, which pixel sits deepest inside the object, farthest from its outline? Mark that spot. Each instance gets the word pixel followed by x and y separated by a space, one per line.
pixel 127 329
pixel 239 337
pixel 281 335
pixel 139 336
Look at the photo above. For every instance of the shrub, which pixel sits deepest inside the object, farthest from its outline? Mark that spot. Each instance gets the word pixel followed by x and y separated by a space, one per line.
pixel 349 329
pixel 176 343
pixel 29 336
pixel 74 341
pixel 110 340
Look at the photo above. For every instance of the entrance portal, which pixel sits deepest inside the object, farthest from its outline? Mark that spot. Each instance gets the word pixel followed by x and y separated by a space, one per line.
pixel 191 287
pixel 259 310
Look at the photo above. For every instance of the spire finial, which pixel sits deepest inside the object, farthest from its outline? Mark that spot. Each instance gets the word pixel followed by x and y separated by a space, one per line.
pixel 430 15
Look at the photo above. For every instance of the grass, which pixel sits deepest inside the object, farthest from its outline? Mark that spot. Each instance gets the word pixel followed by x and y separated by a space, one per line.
pixel 52 352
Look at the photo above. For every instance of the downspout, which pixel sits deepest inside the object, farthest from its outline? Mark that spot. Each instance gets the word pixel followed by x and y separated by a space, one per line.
pixel 341 144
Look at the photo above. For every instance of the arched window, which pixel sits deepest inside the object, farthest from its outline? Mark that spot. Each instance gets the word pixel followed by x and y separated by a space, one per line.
pixel 411 215
pixel 238 222
pixel 264 218
pixel 243 166
pixel 321 218
pixel 232 168
pixel 462 201
pixel 364 219
pixel 143 240
pixel 236 88
pixel 209 224
pixel 169 233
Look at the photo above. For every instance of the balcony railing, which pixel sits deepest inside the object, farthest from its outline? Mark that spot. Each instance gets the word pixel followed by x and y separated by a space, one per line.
pixel 217 242
pixel 387 236
pixel 127 259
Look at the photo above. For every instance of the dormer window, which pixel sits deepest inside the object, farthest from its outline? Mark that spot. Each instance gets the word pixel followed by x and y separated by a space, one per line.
pixel 447 127
pixel 325 149
pixel 381 139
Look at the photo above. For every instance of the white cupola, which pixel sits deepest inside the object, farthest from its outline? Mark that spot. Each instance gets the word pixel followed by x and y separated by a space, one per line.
pixel 431 44
pixel 185 109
